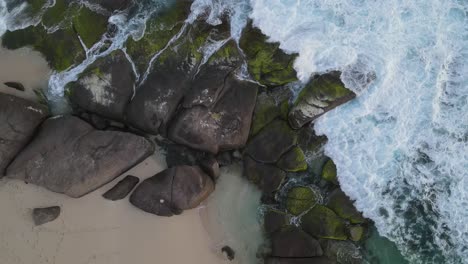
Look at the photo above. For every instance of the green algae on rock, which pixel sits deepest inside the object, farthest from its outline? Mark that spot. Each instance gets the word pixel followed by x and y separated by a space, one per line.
pixel 343 206
pixel 267 63
pixel 322 222
pixel 356 233
pixel 329 172
pixel 321 94
pixel 89 25
pixel 293 161
pixel 300 199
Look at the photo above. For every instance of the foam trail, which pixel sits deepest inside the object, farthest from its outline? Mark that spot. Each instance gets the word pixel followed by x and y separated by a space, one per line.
pixel 401 147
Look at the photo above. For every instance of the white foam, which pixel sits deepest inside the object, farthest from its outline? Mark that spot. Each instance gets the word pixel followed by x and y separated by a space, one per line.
pixel 401 148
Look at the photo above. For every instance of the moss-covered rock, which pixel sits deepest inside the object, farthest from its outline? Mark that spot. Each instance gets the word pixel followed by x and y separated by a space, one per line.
pixel 272 142
pixel 322 222
pixel 356 232
pixel 267 63
pixel 329 172
pixel 293 161
pixel 89 25
pixel 343 206
pixel 321 94
pixel 160 28
pixel 61 49
pixel 300 199
pixel 343 252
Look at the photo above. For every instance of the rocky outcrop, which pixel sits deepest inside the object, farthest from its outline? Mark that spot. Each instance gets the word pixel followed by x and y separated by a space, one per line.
pixel 69 156
pixel 272 142
pixel 122 188
pixel 292 242
pixel 105 87
pixel 320 95
pixel 172 191
pixel 45 215
pixel 223 126
pixel 19 119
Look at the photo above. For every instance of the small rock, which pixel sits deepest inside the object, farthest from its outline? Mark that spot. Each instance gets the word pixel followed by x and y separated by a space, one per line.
pixel 272 142
pixel 45 215
pixel 356 233
pixel 230 253
pixel 122 188
pixel 293 161
pixel 15 85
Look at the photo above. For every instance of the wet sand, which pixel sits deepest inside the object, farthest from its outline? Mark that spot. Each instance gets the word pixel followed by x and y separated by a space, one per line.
pixel 25 66
pixel 92 230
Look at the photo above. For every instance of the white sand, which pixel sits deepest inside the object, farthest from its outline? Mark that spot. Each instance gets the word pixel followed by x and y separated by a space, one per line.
pixel 25 66
pixel 92 230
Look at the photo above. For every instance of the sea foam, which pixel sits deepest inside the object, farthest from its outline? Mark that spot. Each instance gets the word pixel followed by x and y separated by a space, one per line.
pixel 401 147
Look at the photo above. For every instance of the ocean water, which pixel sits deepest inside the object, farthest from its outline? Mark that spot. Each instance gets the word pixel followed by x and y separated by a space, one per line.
pixel 401 147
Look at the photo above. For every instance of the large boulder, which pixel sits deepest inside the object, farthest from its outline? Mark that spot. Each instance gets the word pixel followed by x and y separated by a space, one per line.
pixel 69 156
pixel 322 222
pixel 223 126
pixel 272 142
pixel 172 191
pixel 105 87
pixel 292 242
pixel 19 119
pixel 320 95
pixel 267 63
pixel 300 199
pixel 340 203
pixel 267 177
pixel 293 161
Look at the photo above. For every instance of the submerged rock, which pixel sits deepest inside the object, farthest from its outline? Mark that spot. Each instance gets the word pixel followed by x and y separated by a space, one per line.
pixel 224 126
pixel 45 215
pixel 105 87
pixel 272 142
pixel 320 95
pixel 172 191
pixel 322 222
pixel 122 188
pixel 267 63
pixel 293 161
pixel 69 156
pixel 19 119
pixel 329 172
pixel 300 199
pixel 292 242
pixel 343 206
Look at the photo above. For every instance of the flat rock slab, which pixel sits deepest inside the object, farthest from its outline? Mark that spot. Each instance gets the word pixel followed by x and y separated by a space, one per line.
pixel 172 191
pixel 69 156
pixel 224 126
pixel 122 188
pixel 272 142
pixel 19 119
pixel 45 215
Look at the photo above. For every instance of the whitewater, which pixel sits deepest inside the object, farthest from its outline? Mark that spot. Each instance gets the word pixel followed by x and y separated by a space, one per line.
pixel 401 147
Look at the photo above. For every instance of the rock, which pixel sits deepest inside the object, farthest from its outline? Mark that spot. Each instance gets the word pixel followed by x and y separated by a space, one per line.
pixel 211 166
pixel 19 119
pixel 105 87
pixel 113 5
pixel 172 191
pixel 267 63
pixel 322 222
pixel 274 220
pixel 315 260
pixel 319 96
pixel 308 141
pixel 230 253
pixel 69 156
pixel 293 161
pixel 122 188
pixel 270 105
pixel 15 85
pixel 343 252
pixel 224 126
pixel 343 206
pixel 329 172
pixel 300 199
pixel 272 142
pixel 177 155
pixel 267 177
pixel 45 215
pixel 356 233
pixel 292 242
